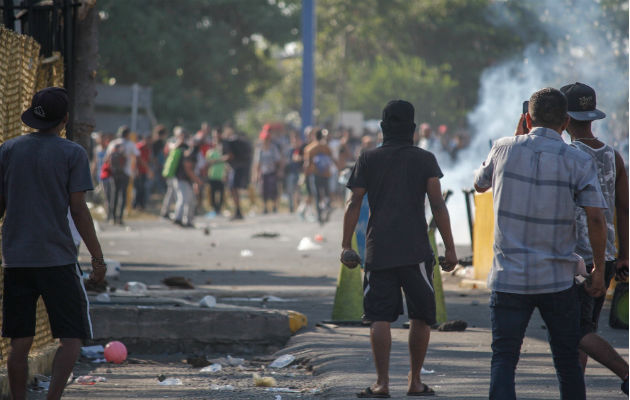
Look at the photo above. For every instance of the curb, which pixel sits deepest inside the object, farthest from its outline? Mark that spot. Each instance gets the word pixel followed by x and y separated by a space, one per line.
pixel 145 328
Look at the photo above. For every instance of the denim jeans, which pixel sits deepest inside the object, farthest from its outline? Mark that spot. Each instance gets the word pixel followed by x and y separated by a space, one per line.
pixel 510 314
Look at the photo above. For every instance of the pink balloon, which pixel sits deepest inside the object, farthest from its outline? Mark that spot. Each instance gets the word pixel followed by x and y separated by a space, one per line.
pixel 115 352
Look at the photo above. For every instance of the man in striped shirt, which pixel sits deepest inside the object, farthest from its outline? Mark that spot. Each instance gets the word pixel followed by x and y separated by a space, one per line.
pixel 535 177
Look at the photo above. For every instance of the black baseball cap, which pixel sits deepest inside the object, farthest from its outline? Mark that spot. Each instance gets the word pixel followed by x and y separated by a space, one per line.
pixel 48 108
pixel 582 102
pixel 398 111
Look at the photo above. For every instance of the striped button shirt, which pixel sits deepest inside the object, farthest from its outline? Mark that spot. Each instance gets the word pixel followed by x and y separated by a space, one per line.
pixel 537 180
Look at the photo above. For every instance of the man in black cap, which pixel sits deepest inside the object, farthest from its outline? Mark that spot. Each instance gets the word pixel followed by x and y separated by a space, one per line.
pixel 41 176
pixel 397 176
pixel 613 181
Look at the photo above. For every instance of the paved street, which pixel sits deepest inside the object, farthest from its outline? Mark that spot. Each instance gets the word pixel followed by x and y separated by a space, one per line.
pixel 334 362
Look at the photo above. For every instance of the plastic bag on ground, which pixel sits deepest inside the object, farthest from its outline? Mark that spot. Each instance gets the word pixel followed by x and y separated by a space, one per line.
pixel 246 253
pixel 171 382
pixel 208 302
pixel 282 361
pixel 96 351
pixel 90 379
pixel 136 287
pixel 216 367
pixel 307 244
pixel 221 387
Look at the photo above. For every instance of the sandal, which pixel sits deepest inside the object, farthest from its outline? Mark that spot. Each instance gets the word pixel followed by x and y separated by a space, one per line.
pixel 426 392
pixel 368 393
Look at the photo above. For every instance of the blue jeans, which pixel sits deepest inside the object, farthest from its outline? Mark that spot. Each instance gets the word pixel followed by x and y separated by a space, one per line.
pixel 510 314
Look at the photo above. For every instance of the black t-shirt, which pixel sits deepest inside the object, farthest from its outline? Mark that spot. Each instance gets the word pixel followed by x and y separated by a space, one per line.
pixel 395 177
pixel 187 155
pixel 241 150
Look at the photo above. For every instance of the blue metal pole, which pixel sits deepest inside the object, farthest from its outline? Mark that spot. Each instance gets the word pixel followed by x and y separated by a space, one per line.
pixel 308 66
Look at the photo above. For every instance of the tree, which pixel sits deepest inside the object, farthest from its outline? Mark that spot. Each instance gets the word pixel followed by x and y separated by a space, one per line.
pixel 205 59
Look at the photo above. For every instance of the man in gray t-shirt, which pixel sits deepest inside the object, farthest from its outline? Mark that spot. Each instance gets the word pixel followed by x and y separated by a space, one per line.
pixel 41 176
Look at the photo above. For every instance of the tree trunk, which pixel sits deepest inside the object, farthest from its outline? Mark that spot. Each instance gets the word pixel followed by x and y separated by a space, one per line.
pixel 85 67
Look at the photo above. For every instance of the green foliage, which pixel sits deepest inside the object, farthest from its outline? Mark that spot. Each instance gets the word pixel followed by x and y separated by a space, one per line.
pixel 451 41
pixel 205 59
pixel 429 89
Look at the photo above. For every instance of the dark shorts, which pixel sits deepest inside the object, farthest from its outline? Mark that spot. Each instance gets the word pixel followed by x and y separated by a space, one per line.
pixel 590 307
pixel 63 293
pixel 239 178
pixel 382 297
pixel 270 186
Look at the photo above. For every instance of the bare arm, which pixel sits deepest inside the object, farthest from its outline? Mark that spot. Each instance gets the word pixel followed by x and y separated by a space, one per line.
pixel 350 219
pixel 83 221
pixel 596 223
pixel 443 222
pixel 621 204
pixel 351 216
pixel 190 172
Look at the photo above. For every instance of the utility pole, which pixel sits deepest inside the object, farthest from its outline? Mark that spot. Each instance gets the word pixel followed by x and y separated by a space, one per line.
pixel 308 63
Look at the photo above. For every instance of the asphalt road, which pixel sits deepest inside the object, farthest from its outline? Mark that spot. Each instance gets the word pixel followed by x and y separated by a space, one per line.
pixel 335 361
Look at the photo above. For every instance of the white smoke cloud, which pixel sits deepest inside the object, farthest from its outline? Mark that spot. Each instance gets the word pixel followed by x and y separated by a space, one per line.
pixel 581 46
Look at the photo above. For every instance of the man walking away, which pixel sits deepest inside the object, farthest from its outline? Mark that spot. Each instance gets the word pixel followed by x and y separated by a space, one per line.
pixel 614 185
pixel 318 164
pixel 397 177
pixel 121 155
pixel 533 178
pixel 41 175
pixel 238 154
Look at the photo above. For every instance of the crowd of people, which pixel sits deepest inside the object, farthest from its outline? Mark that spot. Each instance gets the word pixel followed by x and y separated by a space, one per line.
pixel 193 172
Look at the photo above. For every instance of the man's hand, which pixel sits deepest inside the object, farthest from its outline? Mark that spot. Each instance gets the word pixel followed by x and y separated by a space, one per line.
pixel 450 260
pixel 622 270
pixel 520 130
pixel 595 288
pixel 99 268
pixel 350 258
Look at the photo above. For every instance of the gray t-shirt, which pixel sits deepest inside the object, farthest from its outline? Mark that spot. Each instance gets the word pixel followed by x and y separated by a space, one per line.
pixel 39 171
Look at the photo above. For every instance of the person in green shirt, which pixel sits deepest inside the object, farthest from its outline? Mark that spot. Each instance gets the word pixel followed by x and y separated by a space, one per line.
pixel 216 172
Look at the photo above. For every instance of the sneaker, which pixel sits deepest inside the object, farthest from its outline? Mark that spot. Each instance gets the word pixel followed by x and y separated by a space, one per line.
pixel 237 216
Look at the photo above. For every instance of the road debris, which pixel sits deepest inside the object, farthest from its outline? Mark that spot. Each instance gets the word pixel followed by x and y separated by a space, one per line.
pixel 90 379
pixel 247 253
pixel 136 287
pixel 212 368
pixel 307 244
pixel 208 302
pixel 178 282
pixel 264 381
pixel 282 361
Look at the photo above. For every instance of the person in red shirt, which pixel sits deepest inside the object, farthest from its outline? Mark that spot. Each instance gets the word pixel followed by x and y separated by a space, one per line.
pixel 145 172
